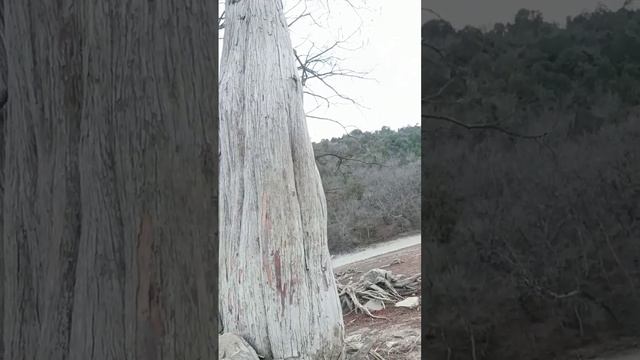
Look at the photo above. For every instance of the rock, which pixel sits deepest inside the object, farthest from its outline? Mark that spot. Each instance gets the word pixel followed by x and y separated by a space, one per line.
pixel 374 305
pixel 410 302
pixel 233 347
pixel 353 343
pixel 375 276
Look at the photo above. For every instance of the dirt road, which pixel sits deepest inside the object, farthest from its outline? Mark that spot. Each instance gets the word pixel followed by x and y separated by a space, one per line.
pixel 635 355
pixel 395 335
pixel 405 322
pixel 376 250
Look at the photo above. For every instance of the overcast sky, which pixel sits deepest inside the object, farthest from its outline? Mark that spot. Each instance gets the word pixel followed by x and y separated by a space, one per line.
pixel 384 41
pixel 488 12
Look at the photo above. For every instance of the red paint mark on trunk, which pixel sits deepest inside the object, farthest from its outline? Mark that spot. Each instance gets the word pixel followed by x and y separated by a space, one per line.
pixel 266 265
pixel 283 297
pixel 277 264
pixel 281 287
pixel 148 297
pixel 144 260
pixel 264 234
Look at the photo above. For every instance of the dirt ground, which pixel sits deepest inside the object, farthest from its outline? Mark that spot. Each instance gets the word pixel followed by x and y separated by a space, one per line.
pixel 627 348
pixel 397 336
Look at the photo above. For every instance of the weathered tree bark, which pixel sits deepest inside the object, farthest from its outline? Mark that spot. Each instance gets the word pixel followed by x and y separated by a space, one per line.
pixel 110 209
pixel 277 287
pixel 3 115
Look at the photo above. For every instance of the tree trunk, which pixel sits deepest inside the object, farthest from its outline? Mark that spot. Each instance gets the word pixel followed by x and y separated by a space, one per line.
pixel 3 115
pixel 110 204
pixel 277 287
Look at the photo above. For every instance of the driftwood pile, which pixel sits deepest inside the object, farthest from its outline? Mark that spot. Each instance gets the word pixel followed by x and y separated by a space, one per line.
pixel 376 284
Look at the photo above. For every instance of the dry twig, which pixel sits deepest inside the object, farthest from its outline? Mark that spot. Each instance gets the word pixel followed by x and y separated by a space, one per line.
pixel 376 284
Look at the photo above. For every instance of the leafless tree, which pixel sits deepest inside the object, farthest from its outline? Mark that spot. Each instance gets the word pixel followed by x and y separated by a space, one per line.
pixel 320 64
pixel 277 286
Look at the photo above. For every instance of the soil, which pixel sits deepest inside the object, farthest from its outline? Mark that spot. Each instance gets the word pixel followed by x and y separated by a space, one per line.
pixel 397 336
pixel 620 349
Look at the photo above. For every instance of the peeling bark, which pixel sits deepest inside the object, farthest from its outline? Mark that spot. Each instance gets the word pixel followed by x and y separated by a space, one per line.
pixel 110 211
pixel 277 286
pixel 3 115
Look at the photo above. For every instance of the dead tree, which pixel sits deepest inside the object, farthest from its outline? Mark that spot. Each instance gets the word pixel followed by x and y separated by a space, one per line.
pixel 276 283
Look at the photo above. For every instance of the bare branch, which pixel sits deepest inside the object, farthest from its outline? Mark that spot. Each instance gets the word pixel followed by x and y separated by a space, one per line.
pixel 435 49
pixel 432 12
pixel 344 158
pixel 221 21
pixel 482 126
pixel 334 121
pixel 303 14
pixel 324 98
pixel 298 18
pixel 440 91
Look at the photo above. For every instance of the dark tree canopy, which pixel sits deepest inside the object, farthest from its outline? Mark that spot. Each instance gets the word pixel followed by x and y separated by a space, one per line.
pixel 531 243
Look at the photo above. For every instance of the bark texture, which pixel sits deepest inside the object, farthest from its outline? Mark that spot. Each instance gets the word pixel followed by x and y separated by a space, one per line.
pixel 277 288
pixel 3 115
pixel 109 235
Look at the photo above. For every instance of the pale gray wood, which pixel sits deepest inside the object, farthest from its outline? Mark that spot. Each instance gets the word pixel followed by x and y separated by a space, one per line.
pixel 110 208
pixel 277 288
pixel 233 347
pixel 3 114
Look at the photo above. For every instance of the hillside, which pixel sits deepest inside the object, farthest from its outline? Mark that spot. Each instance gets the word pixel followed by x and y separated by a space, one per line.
pixel 532 136
pixel 372 184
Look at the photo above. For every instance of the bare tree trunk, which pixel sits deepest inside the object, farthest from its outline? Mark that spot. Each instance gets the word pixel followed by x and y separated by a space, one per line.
pixel 277 286
pixel 3 115
pixel 110 204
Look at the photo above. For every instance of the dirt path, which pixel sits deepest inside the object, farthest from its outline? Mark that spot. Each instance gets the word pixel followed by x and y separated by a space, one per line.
pixel 616 352
pixel 628 355
pixel 398 336
pixel 402 256
pixel 376 250
pixel 627 348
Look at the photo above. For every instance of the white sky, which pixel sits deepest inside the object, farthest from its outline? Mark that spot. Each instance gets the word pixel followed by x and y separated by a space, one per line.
pixel 459 14
pixel 384 41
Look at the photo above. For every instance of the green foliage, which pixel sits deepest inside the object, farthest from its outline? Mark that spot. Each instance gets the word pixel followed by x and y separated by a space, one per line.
pixel 541 63
pixel 375 195
pixel 532 245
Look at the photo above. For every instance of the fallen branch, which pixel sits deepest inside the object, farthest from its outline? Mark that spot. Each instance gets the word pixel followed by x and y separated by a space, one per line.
pixel 376 284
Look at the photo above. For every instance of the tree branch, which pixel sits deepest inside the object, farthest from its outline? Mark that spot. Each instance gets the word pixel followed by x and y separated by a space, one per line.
pixel 482 127
pixel 343 158
pixel 334 121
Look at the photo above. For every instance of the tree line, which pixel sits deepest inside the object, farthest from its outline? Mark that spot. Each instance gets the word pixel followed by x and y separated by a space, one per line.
pixel 531 240
pixel 372 185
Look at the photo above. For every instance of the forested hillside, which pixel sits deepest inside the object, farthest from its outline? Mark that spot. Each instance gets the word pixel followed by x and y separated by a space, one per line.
pixel 532 171
pixel 372 184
